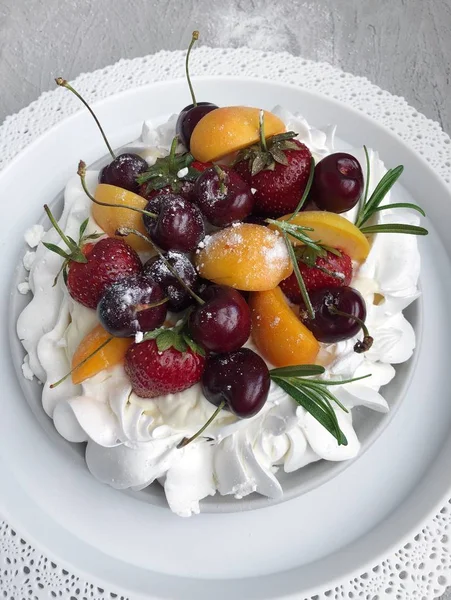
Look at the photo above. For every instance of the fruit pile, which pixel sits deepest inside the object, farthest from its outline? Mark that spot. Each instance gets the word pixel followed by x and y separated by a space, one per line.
pixel 236 255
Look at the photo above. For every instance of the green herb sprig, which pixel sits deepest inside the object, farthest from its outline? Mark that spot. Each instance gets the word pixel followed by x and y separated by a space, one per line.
pixel 313 394
pixel 369 207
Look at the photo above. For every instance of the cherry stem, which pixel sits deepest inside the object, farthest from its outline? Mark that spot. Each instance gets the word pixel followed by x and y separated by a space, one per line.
pixel 194 38
pixel 367 342
pixel 61 233
pixel 107 341
pixel 187 441
pixel 261 129
pixel 81 172
pixel 63 83
pixel 124 231
pixel 221 175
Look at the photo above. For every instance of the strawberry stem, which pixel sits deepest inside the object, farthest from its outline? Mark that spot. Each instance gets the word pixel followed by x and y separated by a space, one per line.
pixel 81 363
pixel 261 129
pixel 124 231
pixel 194 37
pixel 172 152
pixel 187 441
pixel 367 342
pixel 63 83
pixel 81 172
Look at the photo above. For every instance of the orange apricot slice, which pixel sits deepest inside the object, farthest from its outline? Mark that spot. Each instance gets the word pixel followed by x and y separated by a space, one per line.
pixel 246 257
pixel 110 218
pixel 278 333
pixel 332 230
pixel 229 129
pixel 111 354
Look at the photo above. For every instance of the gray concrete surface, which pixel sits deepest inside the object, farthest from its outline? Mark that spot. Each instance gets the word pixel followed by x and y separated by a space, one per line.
pixel 404 46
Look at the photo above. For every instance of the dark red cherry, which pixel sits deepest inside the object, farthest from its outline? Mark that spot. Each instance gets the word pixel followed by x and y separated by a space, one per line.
pixel 132 304
pixel 240 379
pixel 223 323
pixel 179 224
pixel 189 117
pixel 223 196
pixel 328 326
pixel 179 298
pixel 123 171
pixel 337 183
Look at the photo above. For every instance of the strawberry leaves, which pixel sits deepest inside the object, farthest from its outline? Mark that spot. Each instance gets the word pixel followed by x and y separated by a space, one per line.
pixel 165 171
pixel 175 337
pixel 265 154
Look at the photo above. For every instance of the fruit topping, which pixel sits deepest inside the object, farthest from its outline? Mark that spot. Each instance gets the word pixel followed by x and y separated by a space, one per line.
pixel 238 379
pixel 223 322
pixel 89 268
pixel 339 315
pixel 330 230
pixel 178 224
pixel 135 303
pixel 278 333
pixel 157 268
pixel 226 130
pixel 337 183
pixel 155 370
pixel 110 218
pixel 244 256
pixel 329 268
pixel 125 167
pixel 278 169
pixel 190 116
pixel 223 196
pixel 97 351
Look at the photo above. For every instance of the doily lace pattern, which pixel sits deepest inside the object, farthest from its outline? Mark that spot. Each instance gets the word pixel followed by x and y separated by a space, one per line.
pixel 421 570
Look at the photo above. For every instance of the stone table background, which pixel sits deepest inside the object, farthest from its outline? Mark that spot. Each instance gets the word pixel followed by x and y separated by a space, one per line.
pixel 403 46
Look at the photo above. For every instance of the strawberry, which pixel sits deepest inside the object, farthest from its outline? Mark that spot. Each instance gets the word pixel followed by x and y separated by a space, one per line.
pixel 278 169
pixel 201 166
pixel 153 372
pixel 89 268
pixel 329 268
pixel 107 261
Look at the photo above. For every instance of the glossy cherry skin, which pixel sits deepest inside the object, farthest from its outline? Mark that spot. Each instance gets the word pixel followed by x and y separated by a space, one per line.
pixel 125 307
pixel 223 323
pixel 223 196
pixel 123 171
pixel 179 224
pixel 240 378
pixel 179 298
pixel 186 191
pixel 328 327
pixel 337 183
pixel 189 117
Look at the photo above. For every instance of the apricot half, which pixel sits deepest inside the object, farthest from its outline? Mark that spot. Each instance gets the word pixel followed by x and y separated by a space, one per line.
pixel 278 333
pixel 229 129
pixel 332 230
pixel 246 257
pixel 111 354
pixel 110 218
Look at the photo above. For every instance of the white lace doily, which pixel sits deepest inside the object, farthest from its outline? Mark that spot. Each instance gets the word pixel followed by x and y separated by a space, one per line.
pixel 420 570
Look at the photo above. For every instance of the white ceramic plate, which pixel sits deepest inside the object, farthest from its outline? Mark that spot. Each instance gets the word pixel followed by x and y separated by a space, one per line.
pixel 286 550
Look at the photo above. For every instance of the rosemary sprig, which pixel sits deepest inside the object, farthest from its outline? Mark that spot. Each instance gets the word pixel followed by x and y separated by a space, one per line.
pixel 299 278
pixel 313 395
pixel 369 207
pixel 306 191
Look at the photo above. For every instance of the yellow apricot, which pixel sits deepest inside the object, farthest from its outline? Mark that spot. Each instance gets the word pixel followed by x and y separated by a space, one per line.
pixel 278 333
pixel 229 129
pixel 332 230
pixel 111 218
pixel 246 257
pixel 111 354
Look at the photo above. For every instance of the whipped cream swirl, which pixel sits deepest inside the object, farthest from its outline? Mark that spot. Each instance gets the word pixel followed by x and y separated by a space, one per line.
pixel 131 441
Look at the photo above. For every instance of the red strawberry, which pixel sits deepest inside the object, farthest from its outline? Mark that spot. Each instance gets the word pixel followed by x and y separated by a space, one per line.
pixel 318 271
pixel 155 373
pixel 201 166
pixel 279 173
pixel 107 261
